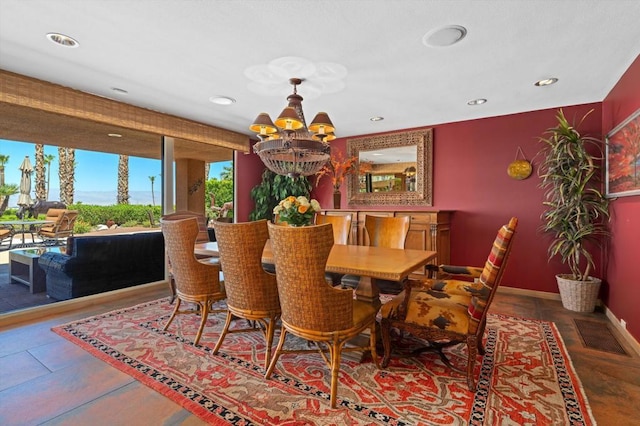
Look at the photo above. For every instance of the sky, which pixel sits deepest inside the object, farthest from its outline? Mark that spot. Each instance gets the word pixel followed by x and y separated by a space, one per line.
pixel 96 176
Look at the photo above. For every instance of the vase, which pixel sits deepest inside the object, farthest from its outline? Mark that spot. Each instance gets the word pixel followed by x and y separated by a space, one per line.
pixel 337 198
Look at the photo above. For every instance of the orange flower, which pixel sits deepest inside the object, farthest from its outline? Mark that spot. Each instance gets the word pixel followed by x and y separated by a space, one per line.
pixel 302 209
pixel 338 168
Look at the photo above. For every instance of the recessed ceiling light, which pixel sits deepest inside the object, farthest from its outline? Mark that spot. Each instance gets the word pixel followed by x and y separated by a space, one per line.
pixel 119 91
pixel 445 36
pixel 114 135
pixel 62 40
pixel 478 101
pixel 222 100
pixel 377 118
pixel 546 82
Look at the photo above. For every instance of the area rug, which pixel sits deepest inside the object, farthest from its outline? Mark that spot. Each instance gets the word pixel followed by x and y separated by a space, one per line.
pixel 525 378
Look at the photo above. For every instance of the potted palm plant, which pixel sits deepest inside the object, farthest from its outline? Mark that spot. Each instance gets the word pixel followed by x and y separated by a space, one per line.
pixel 576 211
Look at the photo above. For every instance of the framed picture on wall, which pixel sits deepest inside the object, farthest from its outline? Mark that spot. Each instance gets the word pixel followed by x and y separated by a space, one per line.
pixel 623 158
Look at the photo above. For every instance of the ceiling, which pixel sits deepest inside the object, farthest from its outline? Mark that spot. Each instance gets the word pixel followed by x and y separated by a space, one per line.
pixel 360 59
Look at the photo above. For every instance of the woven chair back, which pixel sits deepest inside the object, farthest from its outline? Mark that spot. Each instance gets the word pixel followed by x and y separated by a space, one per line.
pixel 341 226
pixel 203 234
pixel 248 285
pixel 306 300
pixel 390 232
pixel 191 276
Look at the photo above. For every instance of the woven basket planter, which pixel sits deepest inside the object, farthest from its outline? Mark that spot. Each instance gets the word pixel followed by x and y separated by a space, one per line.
pixel 578 296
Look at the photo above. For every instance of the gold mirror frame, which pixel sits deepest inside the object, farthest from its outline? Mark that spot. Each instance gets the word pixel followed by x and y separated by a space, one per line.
pixel 422 196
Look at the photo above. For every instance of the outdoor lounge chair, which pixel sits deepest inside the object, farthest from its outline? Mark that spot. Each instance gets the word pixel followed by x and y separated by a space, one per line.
pixel 57 232
pixel 6 237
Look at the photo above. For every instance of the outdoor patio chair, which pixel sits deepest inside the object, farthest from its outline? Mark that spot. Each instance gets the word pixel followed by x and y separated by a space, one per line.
pixel 311 308
pixel 197 280
pixel 57 232
pixel 449 312
pixel 6 237
pixel 252 292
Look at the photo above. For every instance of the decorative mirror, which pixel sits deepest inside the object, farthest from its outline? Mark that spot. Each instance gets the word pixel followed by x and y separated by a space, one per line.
pixel 394 169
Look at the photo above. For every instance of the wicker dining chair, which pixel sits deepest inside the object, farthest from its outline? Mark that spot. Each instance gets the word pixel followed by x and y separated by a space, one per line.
pixel 383 231
pixel 449 312
pixel 203 237
pixel 197 280
pixel 311 308
pixel 341 231
pixel 252 292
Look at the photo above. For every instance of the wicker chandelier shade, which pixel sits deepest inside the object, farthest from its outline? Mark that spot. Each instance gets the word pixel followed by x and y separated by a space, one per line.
pixel 287 146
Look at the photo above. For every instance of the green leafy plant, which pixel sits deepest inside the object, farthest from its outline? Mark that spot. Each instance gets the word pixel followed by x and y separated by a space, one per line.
pixel 576 210
pixel 273 188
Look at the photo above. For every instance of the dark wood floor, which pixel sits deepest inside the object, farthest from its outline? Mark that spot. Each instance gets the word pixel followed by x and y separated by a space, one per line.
pixel 44 379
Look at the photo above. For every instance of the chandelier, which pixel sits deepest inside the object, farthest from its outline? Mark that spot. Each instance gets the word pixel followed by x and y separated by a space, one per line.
pixel 289 147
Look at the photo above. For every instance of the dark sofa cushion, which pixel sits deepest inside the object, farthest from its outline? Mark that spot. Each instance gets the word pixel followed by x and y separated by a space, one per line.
pixel 104 263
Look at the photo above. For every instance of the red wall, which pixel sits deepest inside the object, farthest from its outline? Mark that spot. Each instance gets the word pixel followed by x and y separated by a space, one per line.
pixel 623 290
pixel 248 170
pixel 470 162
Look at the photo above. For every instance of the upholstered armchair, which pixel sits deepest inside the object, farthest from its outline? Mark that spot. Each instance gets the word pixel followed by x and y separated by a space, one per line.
pixel 197 281
pixel 449 312
pixel 311 308
pixel 252 292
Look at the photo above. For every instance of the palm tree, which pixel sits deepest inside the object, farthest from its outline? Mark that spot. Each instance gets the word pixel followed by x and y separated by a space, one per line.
pixel 48 159
pixel 207 167
pixel 40 166
pixel 123 179
pixel 4 195
pixel 4 159
pixel 153 198
pixel 66 172
pixel 226 173
pixel 5 192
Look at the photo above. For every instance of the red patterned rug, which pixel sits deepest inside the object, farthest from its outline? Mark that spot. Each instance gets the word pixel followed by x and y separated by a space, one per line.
pixel 526 376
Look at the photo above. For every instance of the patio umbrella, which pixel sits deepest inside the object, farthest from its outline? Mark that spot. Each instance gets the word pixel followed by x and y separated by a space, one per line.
pixel 24 199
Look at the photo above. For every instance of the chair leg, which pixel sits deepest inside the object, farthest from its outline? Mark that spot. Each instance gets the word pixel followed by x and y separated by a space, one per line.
pixel 373 341
pixel 225 329
pixel 336 349
pixel 274 360
pixel 172 287
pixel 204 312
pixel 173 315
pixel 385 330
pixel 472 346
pixel 271 328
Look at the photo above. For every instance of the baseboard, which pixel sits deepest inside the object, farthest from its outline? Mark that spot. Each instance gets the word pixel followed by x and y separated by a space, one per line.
pixel 531 293
pixel 623 331
pixel 38 312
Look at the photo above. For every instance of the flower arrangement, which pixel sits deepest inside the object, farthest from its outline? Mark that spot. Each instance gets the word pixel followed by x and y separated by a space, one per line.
pixel 338 167
pixel 297 211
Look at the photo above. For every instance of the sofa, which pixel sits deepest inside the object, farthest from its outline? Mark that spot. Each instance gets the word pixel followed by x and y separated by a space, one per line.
pixel 93 264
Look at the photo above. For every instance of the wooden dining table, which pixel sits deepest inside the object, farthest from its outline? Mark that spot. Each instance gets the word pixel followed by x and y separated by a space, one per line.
pixel 365 261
